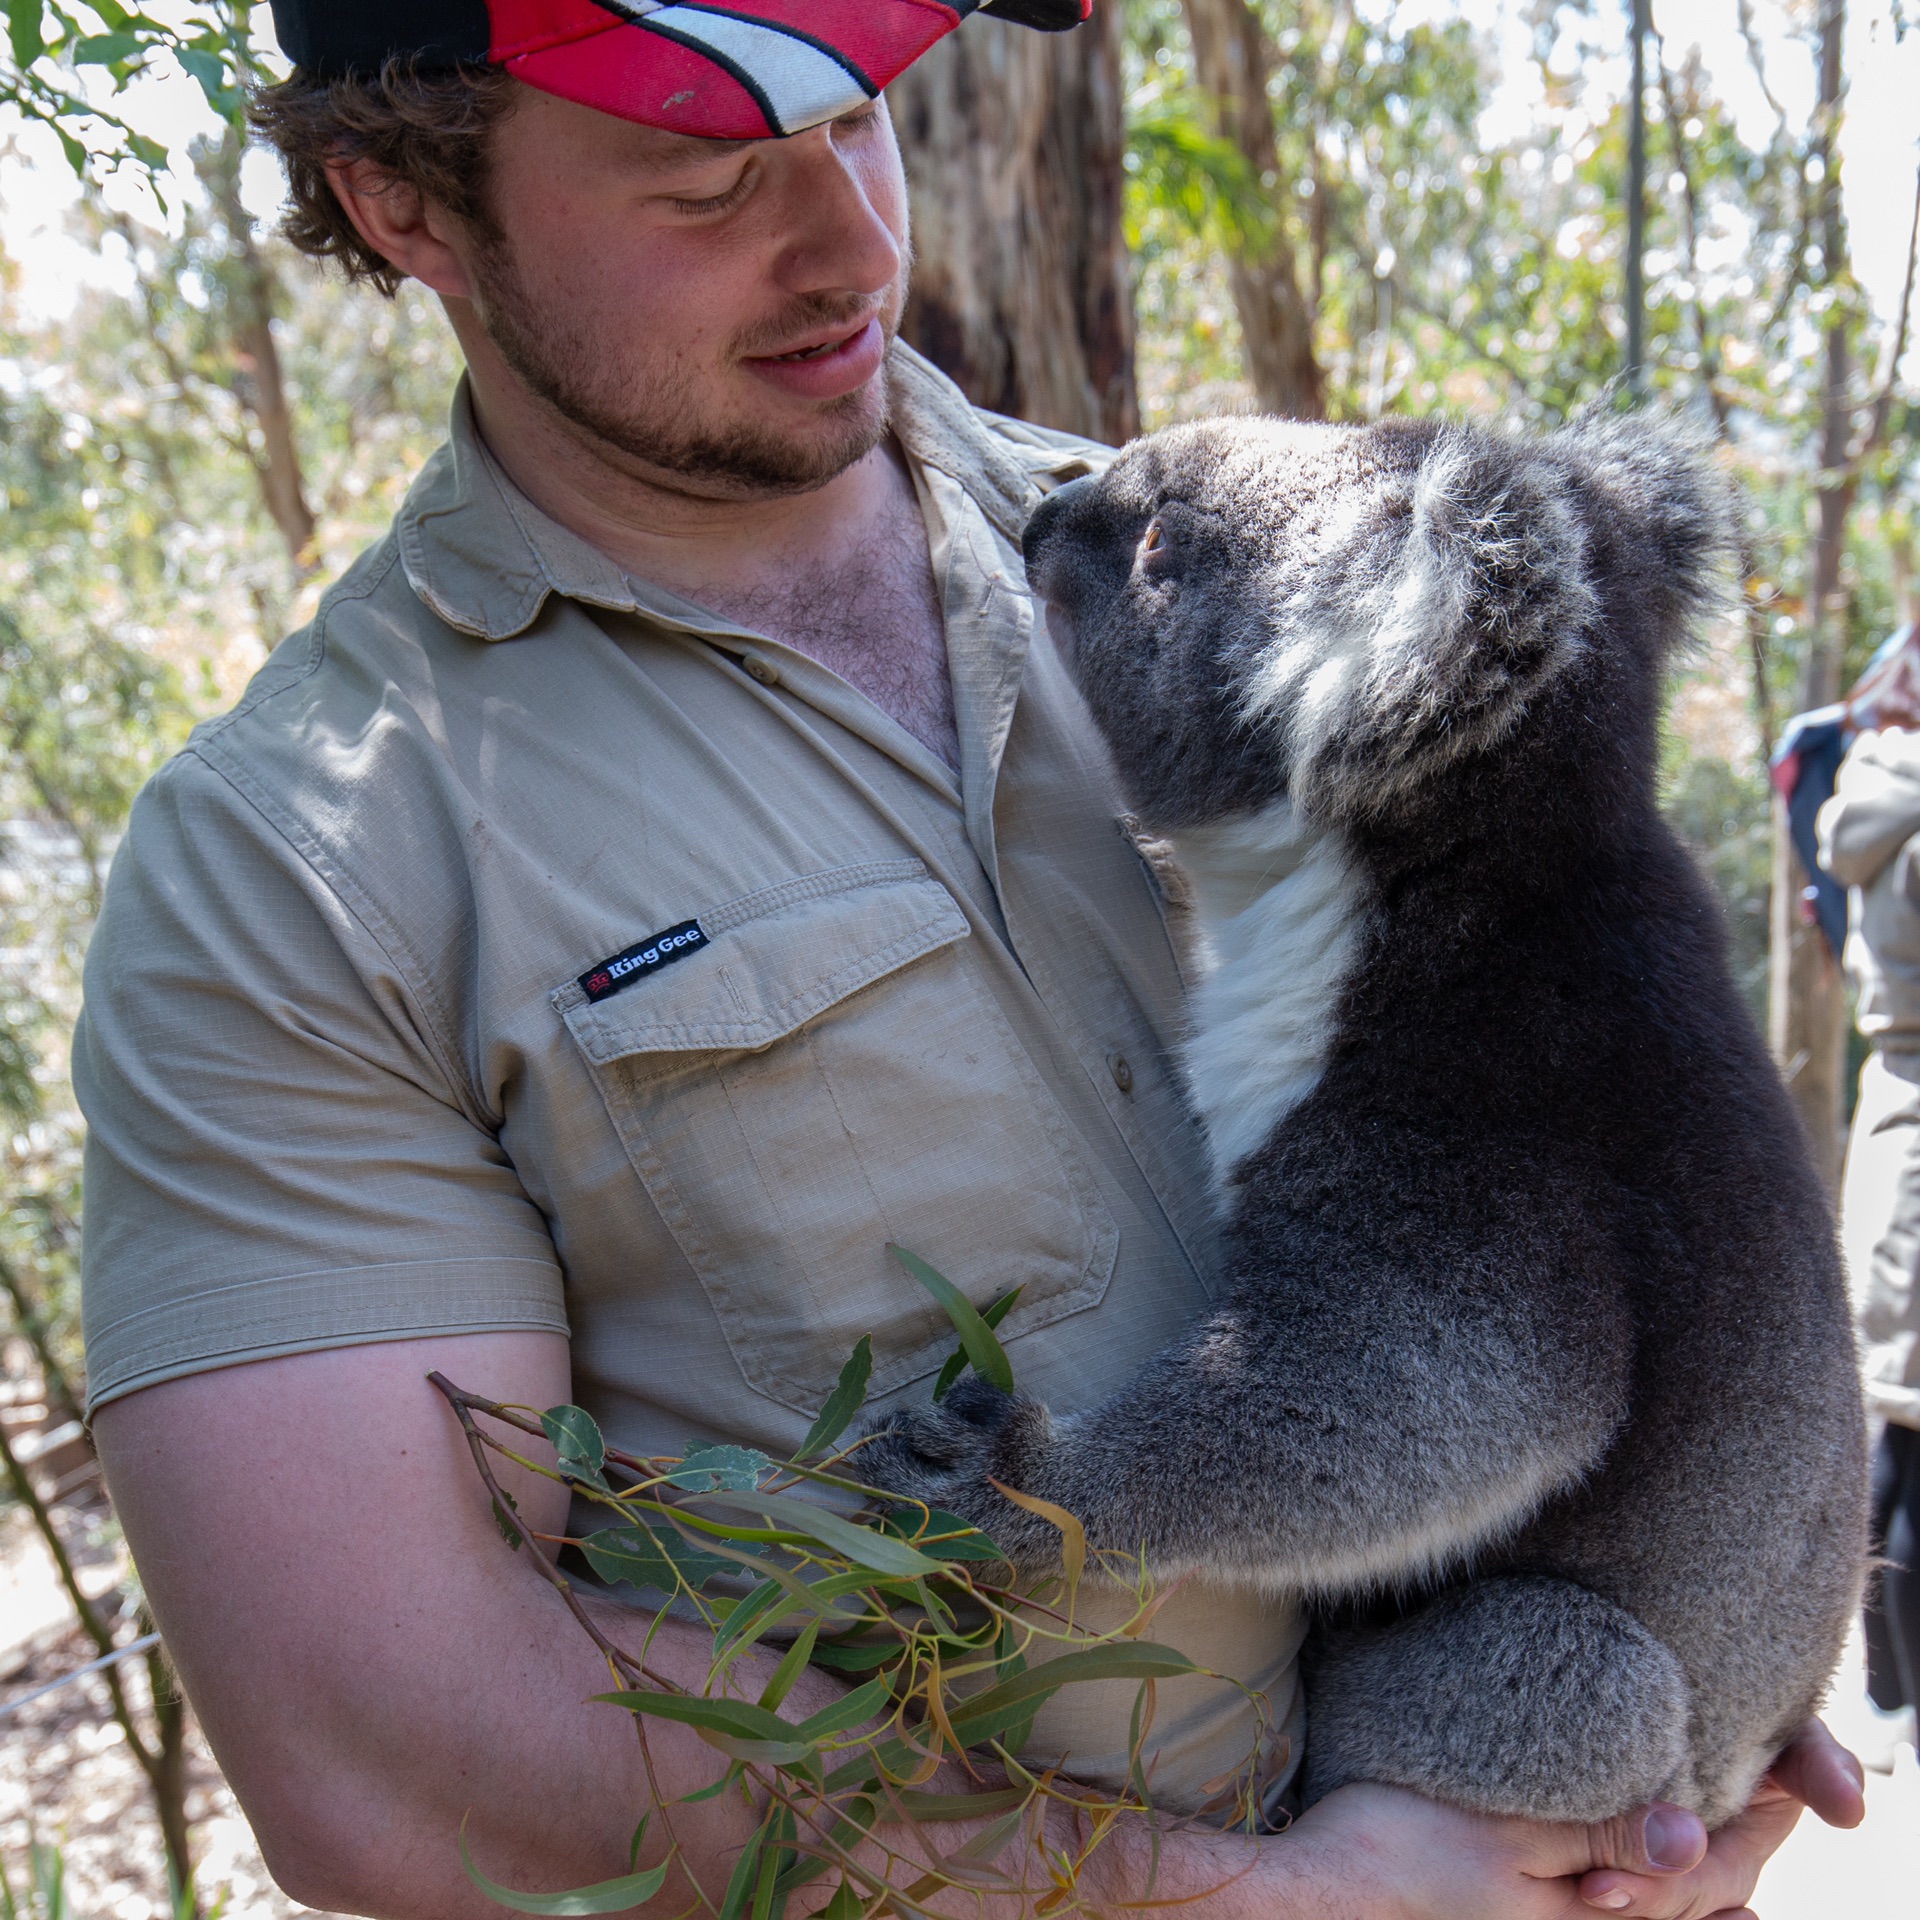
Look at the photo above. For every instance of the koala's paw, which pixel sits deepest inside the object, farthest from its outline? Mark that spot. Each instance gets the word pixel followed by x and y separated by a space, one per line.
pixel 949 1454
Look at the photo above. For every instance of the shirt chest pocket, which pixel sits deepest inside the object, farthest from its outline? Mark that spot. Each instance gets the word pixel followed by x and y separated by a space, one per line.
pixel 826 1075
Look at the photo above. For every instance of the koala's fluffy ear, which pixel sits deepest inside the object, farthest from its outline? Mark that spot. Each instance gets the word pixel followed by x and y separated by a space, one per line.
pixel 1670 508
pixel 1426 637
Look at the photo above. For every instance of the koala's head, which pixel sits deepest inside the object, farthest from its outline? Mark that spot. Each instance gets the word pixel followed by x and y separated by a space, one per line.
pixel 1258 607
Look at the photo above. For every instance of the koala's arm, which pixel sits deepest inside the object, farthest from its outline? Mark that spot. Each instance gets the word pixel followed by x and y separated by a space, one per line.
pixel 1365 1411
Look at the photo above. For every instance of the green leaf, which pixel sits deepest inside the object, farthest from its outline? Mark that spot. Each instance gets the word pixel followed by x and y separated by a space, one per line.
pixel 865 1546
pixel 607 1896
pixel 508 1531
pixel 959 1806
pixel 706 1468
pixel 745 1874
pixel 1004 1705
pixel 739 1729
pixel 944 1535
pixel 857 1659
pixel 646 1556
pixel 847 1713
pixel 713 1792
pixel 844 1402
pixel 25 31
pixel 792 1664
pixel 104 49
pixel 957 1359
pixel 976 1337
pixel 576 1439
pixel 848 1903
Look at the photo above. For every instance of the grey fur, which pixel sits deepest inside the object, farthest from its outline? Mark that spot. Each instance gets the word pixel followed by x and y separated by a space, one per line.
pixel 1533 1365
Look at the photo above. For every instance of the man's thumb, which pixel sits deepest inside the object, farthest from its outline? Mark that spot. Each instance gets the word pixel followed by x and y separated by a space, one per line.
pixel 1658 1838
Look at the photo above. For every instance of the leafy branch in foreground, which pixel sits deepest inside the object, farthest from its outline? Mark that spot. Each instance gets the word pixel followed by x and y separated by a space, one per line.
pixel 948 1662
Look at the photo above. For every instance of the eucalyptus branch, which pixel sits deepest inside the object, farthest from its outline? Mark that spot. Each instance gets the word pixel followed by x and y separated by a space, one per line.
pixel 914 1600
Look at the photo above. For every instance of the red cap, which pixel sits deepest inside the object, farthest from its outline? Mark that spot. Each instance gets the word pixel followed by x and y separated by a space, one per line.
pixel 727 71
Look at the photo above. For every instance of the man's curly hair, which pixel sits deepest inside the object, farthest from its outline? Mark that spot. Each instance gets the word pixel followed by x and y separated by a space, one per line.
pixel 430 131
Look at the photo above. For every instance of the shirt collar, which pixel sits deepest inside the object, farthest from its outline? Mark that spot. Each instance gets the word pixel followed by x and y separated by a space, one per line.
pixel 484 558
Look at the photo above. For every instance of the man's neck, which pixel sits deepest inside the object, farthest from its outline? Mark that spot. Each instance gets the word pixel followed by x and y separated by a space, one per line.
pixel 841 573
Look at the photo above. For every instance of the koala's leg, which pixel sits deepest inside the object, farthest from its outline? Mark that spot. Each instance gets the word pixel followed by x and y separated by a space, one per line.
pixel 1518 1695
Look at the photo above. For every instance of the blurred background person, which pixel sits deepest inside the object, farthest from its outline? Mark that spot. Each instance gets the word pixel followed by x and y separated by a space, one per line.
pixel 1869 834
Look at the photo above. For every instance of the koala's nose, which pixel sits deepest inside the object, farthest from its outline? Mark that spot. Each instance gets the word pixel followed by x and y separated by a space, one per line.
pixel 1046 521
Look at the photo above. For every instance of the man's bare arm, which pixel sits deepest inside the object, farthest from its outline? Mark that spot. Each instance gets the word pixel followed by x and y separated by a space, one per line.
pixel 373 1667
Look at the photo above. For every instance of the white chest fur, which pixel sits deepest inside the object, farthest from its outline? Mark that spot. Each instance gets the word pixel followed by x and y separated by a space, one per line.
pixel 1280 907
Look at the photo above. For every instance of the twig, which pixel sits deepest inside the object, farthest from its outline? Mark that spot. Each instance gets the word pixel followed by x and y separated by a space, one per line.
pixel 80 1673
pixel 478 1443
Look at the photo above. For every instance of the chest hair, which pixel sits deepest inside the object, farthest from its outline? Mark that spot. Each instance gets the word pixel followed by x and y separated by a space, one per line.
pixel 873 617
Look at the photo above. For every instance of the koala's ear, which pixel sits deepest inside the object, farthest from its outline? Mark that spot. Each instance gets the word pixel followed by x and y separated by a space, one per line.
pixel 1669 508
pixel 1500 545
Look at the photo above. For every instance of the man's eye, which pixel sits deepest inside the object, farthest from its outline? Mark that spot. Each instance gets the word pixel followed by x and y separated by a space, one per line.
pixel 719 202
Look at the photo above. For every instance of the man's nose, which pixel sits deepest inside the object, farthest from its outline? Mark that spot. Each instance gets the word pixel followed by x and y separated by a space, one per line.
pixel 838 240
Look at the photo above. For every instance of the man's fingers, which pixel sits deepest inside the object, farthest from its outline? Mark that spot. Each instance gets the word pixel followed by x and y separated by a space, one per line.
pixel 1816 1768
pixel 1653 1839
pixel 1717 1886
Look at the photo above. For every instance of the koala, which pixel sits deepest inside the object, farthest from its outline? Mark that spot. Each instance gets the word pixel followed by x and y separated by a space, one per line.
pixel 1531 1367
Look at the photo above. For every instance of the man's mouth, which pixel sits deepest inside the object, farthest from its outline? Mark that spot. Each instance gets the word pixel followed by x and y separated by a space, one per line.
pixel 825 366
pixel 812 353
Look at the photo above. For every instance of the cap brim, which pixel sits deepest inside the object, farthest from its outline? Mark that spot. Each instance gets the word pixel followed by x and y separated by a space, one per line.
pixel 779 68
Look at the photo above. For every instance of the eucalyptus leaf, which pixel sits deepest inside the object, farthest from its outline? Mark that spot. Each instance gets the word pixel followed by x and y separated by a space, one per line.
pixel 1009 1701
pixel 791 1666
pixel 575 1437
pixel 605 1896
pixel 746 1873
pixel 847 1903
pixel 976 1337
pixel 848 1712
pixel 706 1468
pixel 644 1556
pixel 847 1398
pixel 885 1553
pixel 957 1360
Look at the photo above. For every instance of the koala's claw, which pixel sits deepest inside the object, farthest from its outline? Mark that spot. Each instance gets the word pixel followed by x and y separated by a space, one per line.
pixel 948 1455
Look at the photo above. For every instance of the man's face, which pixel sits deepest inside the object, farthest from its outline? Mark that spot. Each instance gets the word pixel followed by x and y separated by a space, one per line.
pixel 716 310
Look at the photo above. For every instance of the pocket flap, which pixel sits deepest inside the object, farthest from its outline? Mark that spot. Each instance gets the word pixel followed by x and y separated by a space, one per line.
pixel 772 961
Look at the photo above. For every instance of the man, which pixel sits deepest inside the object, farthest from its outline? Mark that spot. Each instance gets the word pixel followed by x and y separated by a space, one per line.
pixel 668 868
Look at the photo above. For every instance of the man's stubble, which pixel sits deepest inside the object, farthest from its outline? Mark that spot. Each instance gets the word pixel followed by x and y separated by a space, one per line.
pixel 654 418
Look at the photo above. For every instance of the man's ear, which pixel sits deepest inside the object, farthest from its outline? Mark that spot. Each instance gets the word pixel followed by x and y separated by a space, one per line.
pixel 402 226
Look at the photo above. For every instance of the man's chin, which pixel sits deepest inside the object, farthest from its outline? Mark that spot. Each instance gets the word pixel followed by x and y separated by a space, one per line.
pixel 761 458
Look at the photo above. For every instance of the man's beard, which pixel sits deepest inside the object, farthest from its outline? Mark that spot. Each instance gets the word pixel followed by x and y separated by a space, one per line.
pixel 658 422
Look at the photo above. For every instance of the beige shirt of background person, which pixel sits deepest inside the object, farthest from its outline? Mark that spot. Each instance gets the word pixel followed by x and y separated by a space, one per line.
pixel 344 1086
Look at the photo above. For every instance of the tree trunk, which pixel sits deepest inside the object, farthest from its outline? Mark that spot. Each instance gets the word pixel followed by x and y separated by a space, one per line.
pixel 1808 995
pixel 250 291
pixel 1015 144
pixel 1233 61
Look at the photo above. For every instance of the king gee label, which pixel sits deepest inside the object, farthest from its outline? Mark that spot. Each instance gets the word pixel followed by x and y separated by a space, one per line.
pixel 642 958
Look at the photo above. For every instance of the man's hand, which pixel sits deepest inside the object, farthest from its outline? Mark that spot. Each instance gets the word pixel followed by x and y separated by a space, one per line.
pixel 1413 1860
pixel 1814 1771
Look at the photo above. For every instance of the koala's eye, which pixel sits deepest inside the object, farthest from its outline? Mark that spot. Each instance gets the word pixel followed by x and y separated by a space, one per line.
pixel 1155 552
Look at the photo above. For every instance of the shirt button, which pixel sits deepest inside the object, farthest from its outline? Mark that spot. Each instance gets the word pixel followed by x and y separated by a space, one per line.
pixel 1122 1071
pixel 762 670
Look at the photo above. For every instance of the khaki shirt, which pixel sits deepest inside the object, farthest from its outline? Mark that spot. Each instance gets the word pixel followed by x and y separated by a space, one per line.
pixel 345 1083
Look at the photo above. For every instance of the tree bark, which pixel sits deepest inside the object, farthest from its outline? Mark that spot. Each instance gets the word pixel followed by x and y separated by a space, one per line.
pixel 251 295
pixel 1015 147
pixel 1233 61
pixel 1807 999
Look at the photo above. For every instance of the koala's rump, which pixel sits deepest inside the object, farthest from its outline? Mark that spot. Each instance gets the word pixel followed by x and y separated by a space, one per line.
pixel 1571 1091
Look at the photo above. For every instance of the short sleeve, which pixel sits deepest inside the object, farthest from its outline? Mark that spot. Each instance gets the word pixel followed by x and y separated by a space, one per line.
pixel 278 1159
